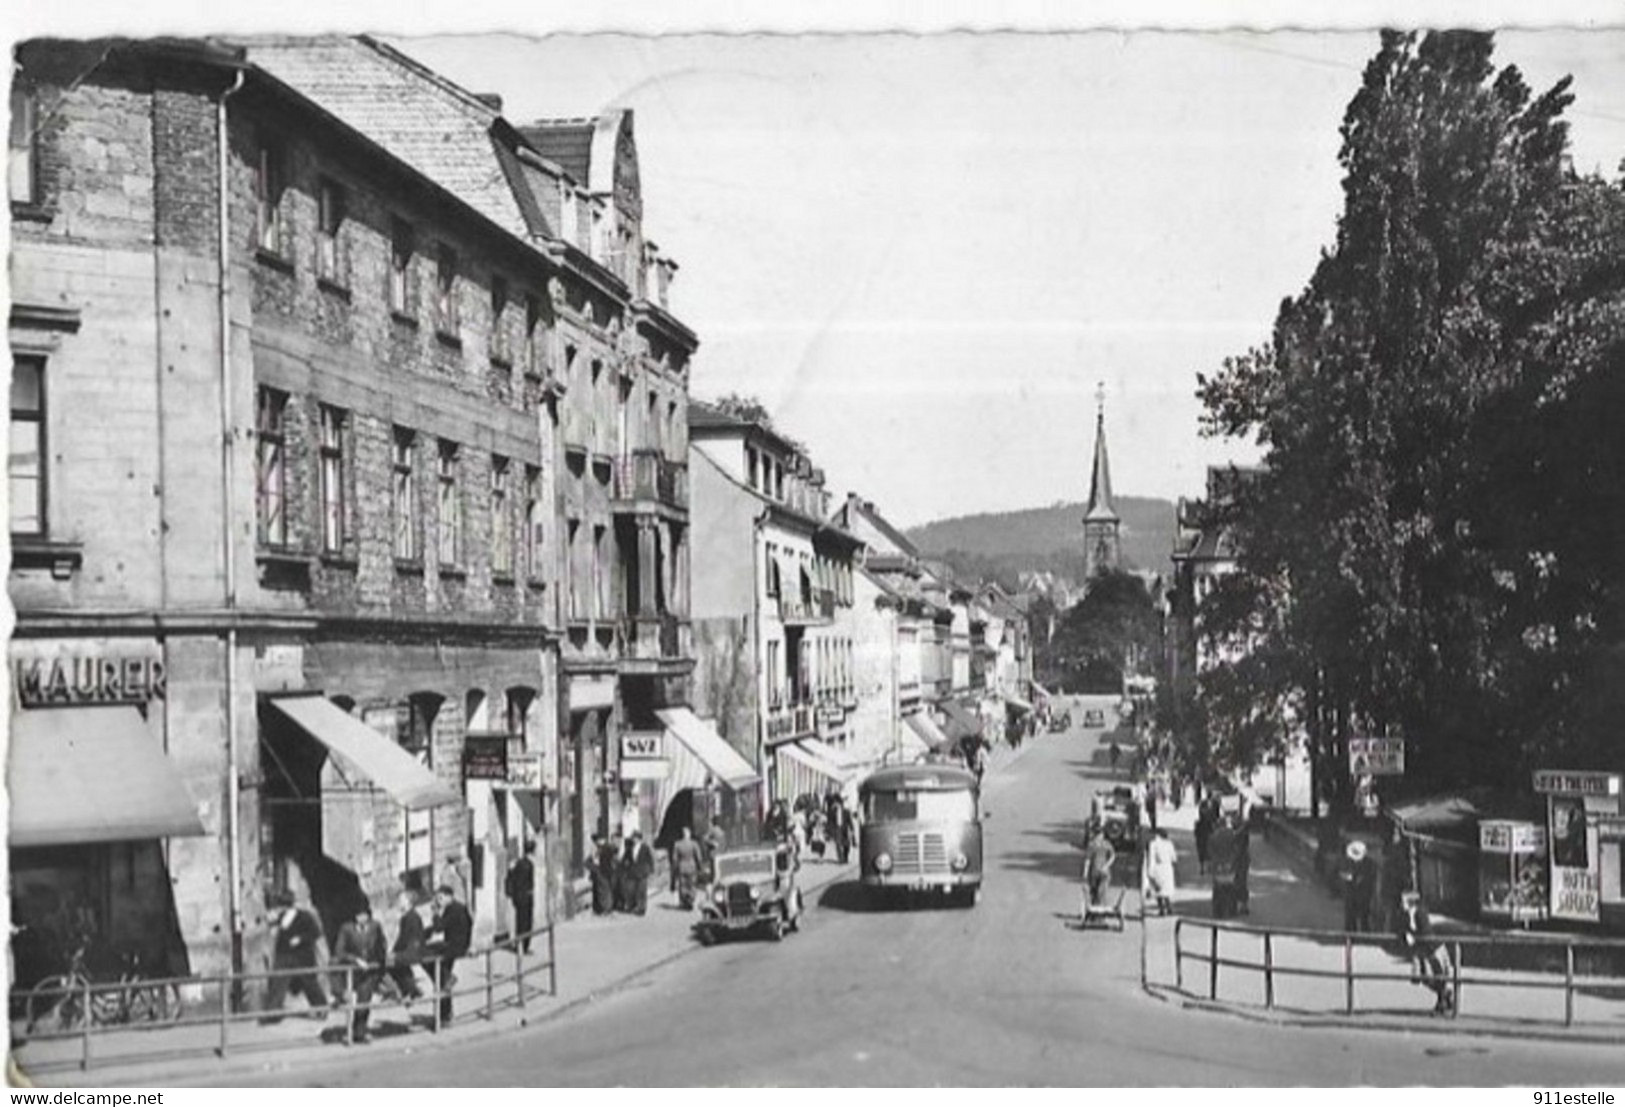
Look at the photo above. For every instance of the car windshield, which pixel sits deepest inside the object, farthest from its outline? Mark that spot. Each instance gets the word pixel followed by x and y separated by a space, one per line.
pixel 744 864
pixel 885 807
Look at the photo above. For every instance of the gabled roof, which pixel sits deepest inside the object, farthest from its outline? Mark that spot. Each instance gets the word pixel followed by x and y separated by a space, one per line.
pixel 866 510
pixel 436 127
pixel 565 142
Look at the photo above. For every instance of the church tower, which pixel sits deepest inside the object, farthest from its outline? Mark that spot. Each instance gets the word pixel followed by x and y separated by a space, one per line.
pixel 1100 521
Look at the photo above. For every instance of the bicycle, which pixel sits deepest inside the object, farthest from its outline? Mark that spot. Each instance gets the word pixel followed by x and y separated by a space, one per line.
pixel 58 1003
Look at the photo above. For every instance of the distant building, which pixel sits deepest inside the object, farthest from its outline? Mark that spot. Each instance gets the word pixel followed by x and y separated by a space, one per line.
pixel 1102 548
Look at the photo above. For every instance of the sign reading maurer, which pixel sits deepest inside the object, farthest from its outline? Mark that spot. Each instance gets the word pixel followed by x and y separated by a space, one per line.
pixel 63 681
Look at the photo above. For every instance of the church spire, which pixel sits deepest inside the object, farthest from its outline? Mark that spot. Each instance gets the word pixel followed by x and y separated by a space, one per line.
pixel 1100 481
pixel 1102 550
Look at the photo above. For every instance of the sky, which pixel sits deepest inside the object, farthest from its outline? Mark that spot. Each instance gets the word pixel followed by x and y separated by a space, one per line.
pixel 926 251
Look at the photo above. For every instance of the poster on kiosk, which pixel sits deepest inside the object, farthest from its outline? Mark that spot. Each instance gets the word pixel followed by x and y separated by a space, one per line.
pixel 1575 804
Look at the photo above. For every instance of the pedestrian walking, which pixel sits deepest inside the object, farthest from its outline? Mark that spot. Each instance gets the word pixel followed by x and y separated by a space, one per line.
pixel 1244 863
pixel 817 833
pixel 686 857
pixel 1224 857
pixel 449 939
pixel 714 842
pixel 1160 859
pixel 840 818
pixel 1429 963
pixel 1359 888
pixel 601 867
pixel 411 936
pixel 1098 858
pixel 520 888
pixel 1115 752
pixel 1206 817
pixel 295 945
pixel 639 863
pixel 360 948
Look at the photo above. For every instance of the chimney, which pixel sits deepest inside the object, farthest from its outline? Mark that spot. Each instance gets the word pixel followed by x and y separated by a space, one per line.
pixel 492 100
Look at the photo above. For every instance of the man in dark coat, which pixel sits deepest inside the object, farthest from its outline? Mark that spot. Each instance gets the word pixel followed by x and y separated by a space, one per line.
pixel 360 947
pixel 1206 816
pixel 625 856
pixel 1360 889
pixel 1431 967
pixel 601 867
pixel 1244 863
pixel 1224 850
pixel 640 866
pixel 449 939
pixel 410 939
pixel 297 934
pixel 685 866
pixel 840 825
pixel 520 888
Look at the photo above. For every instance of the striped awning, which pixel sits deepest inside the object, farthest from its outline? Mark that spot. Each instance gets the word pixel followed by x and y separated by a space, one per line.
pixel 927 731
pixel 358 745
pixel 803 772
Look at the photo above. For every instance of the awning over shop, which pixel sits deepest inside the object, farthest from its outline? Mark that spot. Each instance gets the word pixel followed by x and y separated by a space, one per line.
pixel 92 774
pixel 911 747
pixel 961 723
pixel 1040 690
pixel 829 753
pixel 377 758
pixel 698 738
pixel 1016 702
pixel 803 772
pixel 928 731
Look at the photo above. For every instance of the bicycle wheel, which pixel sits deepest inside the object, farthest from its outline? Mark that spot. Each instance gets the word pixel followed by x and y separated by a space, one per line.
pixel 155 1003
pixel 56 1004
pixel 112 1004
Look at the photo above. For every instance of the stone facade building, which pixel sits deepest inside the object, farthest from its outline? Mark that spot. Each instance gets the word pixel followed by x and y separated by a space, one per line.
pixel 346 488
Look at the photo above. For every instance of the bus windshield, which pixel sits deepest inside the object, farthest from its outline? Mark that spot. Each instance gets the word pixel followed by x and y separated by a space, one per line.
pixel 890 807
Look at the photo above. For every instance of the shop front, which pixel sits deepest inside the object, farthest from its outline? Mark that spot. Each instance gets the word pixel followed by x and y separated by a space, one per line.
pixel 1581 858
pixel 709 783
pixel 93 801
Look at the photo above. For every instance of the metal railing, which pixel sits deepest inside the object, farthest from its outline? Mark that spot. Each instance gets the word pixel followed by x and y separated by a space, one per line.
pixel 1267 967
pixel 228 990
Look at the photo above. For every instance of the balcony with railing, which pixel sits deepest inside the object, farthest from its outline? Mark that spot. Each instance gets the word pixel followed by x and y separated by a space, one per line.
pixel 816 609
pixel 789 721
pixel 646 478
pixel 655 640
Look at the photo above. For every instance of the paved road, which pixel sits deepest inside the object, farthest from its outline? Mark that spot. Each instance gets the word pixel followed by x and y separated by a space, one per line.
pixel 1007 993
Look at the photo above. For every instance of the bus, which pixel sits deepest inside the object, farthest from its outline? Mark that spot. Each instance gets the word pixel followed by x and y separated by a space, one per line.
pixel 922 832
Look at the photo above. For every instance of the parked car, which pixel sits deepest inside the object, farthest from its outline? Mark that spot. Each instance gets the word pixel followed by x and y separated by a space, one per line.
pixel 1061 722
pixel 1094 717
pixel 756 890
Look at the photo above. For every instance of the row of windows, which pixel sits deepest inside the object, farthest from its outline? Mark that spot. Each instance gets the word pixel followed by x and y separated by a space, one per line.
pixel 822 669
pixel 509 549
pixel 818 572
pixel 273 236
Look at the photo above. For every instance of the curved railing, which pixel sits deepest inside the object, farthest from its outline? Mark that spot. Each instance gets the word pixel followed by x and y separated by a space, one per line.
pixel 502 984
pixel 1485 946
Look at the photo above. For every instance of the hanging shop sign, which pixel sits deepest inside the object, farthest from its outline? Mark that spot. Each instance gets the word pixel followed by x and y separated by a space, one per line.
pixel 64 681
pixel 525 772
pixel 1376 757
pixel 485 757
pixel 1557 782
pixel 642 745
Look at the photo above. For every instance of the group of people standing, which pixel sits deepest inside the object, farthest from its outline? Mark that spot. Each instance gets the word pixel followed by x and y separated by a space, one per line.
pixel 430 935
pixel 620 872
pixel 815 827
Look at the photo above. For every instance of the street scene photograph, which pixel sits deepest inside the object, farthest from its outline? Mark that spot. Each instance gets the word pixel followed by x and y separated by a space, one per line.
pixel 686 558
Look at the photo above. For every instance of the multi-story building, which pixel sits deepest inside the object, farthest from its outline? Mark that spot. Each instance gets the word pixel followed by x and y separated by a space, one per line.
pixel 773 605
pixel 292 327
pixel 916 629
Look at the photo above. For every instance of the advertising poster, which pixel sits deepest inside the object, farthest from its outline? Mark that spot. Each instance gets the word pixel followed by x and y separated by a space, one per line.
pixel 1574 802
pixel 1376 757
pixel 1512 870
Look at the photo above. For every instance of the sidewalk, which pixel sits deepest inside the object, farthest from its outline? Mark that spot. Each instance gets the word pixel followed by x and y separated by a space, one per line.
pixel 1285 894
pixel 596 956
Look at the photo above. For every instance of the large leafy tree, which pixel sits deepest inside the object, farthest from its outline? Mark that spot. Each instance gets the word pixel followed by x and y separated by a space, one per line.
pixel 1114 627
pixel 1436 545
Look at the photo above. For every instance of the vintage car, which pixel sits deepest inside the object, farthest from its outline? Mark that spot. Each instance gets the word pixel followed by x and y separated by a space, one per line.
pixel 1094 717
pixel 1060 722
pixel 755 890
pixel 1119 814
